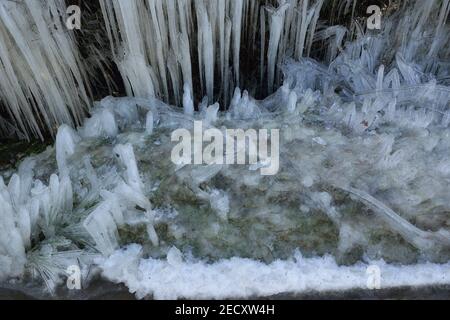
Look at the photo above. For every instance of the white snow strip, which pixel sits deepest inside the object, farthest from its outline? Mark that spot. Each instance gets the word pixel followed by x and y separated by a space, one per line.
pixel 242 278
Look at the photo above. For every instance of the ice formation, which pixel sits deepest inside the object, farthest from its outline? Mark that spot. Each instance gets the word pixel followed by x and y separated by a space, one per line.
pixel 156 34
pixel 43 80
pixel 364 174
pixel 234 278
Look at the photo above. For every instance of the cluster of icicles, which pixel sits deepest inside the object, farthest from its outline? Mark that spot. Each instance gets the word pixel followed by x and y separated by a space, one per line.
pixel 43 79
pixel 32 210
pixel 154 43
pixel 161 46
pixel 158 40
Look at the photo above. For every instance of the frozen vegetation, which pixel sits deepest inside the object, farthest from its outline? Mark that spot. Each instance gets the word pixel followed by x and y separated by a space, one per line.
pixel 364 167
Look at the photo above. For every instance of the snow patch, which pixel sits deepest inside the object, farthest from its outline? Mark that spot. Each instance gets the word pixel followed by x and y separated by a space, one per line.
pixel 245 278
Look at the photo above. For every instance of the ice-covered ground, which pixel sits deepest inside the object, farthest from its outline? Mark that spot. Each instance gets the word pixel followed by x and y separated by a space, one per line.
pixel 350 191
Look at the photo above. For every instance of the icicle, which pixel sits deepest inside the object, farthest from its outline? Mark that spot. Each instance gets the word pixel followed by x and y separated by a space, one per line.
pixel 263 45
pixel 20 184
pixel 161 40
pixel 227 60
pixel 55 202
pixel 212 114
pixel 172 65
pixel 102 228
pixel 12 248
pixel 292 102
pixel 410 75
pixel 172 22
pixel 236 31
pixel 184 58
pixel 126 155
pixel 312 29
pixel 236 99
pixel 91 174
pixel 115 206
pixel 302 27
pixel 132 197
pixel 188 104
pixel 392 80
pixel 419 238
pixel 149 123
pixel 207 51
pixel 276 25
pixel 439 35
pixel 222 32
pixel 380 78
pixel 183 17
pixel 203 105
pixel 66 141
